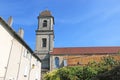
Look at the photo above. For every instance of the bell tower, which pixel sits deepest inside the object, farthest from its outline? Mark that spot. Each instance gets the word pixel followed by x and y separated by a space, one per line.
pixel 45 38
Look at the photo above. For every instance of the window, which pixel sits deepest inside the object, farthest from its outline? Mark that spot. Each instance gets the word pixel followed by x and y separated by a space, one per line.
pixel 56 62
pixel 26 71
pixel 36 76
pixel 45 23
pixel 25 53
pixel 36 62
pixel 65 62
pixel 44 42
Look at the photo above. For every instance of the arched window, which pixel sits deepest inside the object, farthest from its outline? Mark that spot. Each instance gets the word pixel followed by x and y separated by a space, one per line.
pixel 45 23
pixel 44 42
pixel 56 62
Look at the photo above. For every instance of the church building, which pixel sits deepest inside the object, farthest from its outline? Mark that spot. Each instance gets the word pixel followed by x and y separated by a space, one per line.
pixel 53 58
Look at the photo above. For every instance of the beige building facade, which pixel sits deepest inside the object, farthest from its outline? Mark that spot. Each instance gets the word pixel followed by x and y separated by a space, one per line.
pixel 17 60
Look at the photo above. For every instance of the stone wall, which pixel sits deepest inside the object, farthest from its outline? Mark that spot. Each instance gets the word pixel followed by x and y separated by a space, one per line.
pixel 73 60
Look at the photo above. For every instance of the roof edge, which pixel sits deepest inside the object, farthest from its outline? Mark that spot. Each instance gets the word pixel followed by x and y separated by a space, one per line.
pixel 18 38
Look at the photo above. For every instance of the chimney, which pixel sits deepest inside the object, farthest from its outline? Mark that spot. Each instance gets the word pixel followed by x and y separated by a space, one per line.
pixel 10 21
pixel 21 32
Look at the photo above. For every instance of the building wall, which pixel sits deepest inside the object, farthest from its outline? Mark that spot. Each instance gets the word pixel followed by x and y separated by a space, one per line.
pixel 15 58
pixel 52 61
pixel 5 48
pixel 45 60
pixel 14 61
pixel 24 65
pixel 85 59
pixel 73 60
pixel 35 69
pixel 49 23
pixel 39 43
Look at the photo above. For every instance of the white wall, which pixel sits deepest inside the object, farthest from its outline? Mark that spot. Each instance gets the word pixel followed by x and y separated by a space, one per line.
pixel 35 70
pixel 5 47
pixel 20 64
pixel 15 59
pixel 25 65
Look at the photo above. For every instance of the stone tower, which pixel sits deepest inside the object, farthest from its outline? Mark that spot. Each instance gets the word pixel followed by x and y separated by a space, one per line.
pixel 45 38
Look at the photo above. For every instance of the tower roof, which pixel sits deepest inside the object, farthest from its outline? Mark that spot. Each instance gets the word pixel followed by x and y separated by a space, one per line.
pixel 45 13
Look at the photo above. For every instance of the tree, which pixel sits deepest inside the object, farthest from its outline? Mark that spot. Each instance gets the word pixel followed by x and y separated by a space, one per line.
pixel 86 72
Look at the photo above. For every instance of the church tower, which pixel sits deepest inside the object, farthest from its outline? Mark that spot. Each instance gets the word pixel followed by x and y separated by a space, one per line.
pixel 45 38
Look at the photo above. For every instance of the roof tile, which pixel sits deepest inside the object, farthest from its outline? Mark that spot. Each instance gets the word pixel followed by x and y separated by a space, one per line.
pixel 86 50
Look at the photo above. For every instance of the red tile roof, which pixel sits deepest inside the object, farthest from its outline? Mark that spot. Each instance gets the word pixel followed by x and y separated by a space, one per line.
pixel 86 50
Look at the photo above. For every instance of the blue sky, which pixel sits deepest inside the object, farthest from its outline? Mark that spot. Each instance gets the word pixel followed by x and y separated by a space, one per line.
pixel 78 23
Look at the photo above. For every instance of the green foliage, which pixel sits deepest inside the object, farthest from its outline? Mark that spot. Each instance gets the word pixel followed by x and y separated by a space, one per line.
pixel 67 73
pixel 71 73
pixel 52 75
pixel 113 74
pixel 109 61
pixel 82 72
